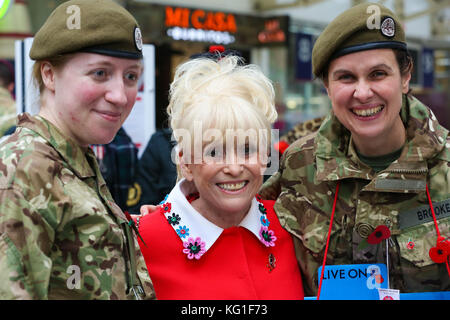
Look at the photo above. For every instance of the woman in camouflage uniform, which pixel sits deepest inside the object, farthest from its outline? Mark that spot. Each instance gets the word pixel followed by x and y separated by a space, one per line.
pixel 61 234
pixel 380 153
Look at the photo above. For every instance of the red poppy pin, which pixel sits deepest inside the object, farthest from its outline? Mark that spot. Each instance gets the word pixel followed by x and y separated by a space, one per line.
pixel 380 233
pixel 441 251
pixel 410 245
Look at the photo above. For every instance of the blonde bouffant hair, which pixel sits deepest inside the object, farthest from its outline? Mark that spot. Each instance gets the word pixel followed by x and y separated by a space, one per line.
pixel 220 94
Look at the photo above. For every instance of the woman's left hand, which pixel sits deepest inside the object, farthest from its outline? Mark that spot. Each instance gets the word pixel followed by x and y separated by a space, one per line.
pixel 147 208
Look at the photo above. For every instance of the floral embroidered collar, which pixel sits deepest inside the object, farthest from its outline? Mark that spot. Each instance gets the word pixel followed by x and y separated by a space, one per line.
pixel 199 234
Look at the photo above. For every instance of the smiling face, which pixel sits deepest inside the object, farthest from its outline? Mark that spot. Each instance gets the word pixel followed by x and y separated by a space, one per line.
pixel 226 183
pixel 366 89
pixel 90 96
pixel 221 112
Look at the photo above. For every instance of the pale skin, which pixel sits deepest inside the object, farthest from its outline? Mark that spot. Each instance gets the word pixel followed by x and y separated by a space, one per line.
pixel 226 188
pixel 222 207
pixel 367 97
pixel 90 96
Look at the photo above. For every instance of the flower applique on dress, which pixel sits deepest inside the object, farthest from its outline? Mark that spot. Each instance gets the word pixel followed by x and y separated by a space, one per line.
pixel 166 206
pixel 266 236
pixel 264 221
pixel 172 217
pixel 183 232
pixel 193 248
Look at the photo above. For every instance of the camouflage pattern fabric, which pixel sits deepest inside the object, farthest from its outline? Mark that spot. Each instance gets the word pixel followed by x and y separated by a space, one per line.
pixel 302 129
pixel 61 234
pixel 8 113
pixel 305 188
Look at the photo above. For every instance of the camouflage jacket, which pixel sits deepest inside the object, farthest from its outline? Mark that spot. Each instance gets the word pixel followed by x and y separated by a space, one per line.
pixel 8 113
pixel 61 234
pixel 305 188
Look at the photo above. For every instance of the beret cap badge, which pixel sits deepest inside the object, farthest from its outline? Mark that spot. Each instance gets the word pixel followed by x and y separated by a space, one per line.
pixel 138 38
pixel 388 27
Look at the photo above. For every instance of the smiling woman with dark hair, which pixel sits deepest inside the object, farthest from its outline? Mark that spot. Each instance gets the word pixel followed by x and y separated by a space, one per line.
pixel 378 159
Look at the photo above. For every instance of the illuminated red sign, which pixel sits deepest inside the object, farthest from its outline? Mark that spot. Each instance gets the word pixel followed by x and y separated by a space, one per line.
pixel 272 32
pixel 200 19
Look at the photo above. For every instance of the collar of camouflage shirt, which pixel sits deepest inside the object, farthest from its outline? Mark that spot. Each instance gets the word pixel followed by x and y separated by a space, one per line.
pixel 72 153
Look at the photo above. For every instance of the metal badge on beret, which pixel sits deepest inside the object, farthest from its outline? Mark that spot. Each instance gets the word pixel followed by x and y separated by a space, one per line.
pixel 388 27
pixel 138 38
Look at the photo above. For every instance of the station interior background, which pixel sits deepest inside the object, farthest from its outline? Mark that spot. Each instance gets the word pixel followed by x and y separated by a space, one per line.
pixel 278 35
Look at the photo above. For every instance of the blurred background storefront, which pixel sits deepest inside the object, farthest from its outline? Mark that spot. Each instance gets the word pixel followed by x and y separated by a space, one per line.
pixel 278 35
pixel 178 32
pixel 15 24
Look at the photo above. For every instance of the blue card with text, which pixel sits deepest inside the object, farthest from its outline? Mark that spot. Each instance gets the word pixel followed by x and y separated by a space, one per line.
pixel 353 281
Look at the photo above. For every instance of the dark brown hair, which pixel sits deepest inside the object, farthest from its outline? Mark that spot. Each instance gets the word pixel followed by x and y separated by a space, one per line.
pixel 403 57
pixel 404 60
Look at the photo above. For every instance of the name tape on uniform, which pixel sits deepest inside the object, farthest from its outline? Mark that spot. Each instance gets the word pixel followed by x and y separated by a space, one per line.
pixel 399 184
pixel 421 215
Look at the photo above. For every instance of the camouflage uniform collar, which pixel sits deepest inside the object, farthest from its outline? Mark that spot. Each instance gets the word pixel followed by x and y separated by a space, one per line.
pixel 336 156
pixel 74 155
pixel 331 147
pixel 426 138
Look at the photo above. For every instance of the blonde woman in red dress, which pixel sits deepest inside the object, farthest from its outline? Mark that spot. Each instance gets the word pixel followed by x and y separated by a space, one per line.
pixel 214 237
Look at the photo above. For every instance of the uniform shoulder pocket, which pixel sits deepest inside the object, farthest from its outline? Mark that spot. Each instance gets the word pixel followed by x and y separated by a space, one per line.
pixel 416 241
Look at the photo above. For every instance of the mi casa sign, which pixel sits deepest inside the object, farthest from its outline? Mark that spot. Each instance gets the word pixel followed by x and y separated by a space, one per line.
pixel 200 25
pixel 200 19
pixel 164 23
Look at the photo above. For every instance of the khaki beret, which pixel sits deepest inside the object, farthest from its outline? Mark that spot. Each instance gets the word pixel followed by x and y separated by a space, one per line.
pixel 362 27
pixel 97 26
